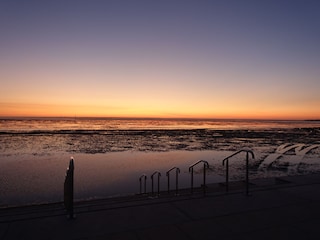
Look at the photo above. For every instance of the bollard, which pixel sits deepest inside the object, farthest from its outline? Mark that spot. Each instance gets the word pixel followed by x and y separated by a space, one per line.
pixel 68 190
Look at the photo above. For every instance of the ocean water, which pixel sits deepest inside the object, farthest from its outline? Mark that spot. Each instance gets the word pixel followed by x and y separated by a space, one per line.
pixel 8 125
pixel 111 154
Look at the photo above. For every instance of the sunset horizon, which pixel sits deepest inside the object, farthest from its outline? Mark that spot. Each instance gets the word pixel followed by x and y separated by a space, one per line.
pixel 159 117
pixel 177 59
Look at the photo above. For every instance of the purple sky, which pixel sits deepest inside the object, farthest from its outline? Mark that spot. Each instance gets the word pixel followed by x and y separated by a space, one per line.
pixel 160 58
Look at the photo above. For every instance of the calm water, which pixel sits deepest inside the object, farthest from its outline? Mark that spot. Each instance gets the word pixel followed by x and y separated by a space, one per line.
pixel 111 154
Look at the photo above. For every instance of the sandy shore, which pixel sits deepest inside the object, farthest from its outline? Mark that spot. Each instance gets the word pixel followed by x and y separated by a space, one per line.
pixel 109 163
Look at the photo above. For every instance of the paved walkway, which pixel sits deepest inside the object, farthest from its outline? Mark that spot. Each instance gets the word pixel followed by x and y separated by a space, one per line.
pixel 285 208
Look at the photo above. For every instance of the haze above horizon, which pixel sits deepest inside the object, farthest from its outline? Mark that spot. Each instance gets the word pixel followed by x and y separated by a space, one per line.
pixel 160 59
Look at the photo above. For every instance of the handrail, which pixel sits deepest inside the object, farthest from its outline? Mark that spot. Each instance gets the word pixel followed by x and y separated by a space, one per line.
pixel 145 183
pixel 159 175
pixel 226 162
pixel 205 166
pixel 168 175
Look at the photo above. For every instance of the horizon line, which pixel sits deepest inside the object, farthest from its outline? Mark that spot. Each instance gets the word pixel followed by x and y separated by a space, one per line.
pixel 154 118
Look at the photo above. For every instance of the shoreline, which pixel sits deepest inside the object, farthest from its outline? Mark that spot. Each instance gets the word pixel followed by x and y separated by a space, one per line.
pixel 159 140
pixel 109 162
pixel 40 178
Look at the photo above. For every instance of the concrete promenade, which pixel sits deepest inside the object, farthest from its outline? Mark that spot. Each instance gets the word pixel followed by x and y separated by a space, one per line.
pixel 283 208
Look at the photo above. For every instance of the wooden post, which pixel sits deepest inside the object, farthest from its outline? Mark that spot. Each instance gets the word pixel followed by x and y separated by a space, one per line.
pixel 68 190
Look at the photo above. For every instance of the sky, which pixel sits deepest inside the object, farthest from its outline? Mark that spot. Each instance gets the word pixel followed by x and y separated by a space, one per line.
pixel 200 58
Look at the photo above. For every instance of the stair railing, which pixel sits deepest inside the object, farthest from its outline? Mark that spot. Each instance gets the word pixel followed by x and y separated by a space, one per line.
pixel 168 175
pixel 205 166
pixel 143 176
pixel 159 175
pixel 225 162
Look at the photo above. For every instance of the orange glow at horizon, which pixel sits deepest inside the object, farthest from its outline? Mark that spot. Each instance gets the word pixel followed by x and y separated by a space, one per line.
pixel 172 94
pixel 128 60
pixel 226 112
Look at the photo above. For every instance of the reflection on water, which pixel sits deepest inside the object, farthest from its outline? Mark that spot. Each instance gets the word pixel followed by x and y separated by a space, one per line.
pixel 40 178
pixel 111 154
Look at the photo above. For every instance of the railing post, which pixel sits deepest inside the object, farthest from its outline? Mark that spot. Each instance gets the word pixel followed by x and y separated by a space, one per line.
pixel 226 162
pixel 159 184
pixel 191 180
pixel 205 165
pixel 159 175
pixel 247 174
pixel 152 184
pixel 69 190
pixel 247 170
pixel 168 175
pixel 145 183
pixel 204 179
pixel 177 178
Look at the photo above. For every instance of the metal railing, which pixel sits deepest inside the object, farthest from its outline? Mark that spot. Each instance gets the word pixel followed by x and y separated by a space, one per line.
pixel 159 175
pixel 168 175
pixel 143 176
pixel 225 162
pixel 205 166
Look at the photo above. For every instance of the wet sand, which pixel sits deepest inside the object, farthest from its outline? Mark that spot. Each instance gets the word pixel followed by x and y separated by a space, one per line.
pixel 109 163
pixel 104 141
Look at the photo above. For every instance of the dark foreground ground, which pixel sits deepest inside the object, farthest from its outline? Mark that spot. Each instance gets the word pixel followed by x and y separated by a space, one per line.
pixel 277 208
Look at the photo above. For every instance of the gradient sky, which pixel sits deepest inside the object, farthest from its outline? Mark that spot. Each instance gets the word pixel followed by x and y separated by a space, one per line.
pixel 213 59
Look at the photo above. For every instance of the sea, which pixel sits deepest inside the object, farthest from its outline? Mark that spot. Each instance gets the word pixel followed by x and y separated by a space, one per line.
pixel 110 154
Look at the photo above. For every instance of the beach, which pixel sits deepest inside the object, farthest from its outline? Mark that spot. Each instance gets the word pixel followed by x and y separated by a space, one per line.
pixel 111 155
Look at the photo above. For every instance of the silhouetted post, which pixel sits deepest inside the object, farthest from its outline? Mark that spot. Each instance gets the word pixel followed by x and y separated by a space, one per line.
pixel 159 175
pixel 168 175
pixel 226 163
pixel 191 179
pixel 204 179
pixel 205 166
pixel 68 190
pixel 247 174
pixel 145 183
